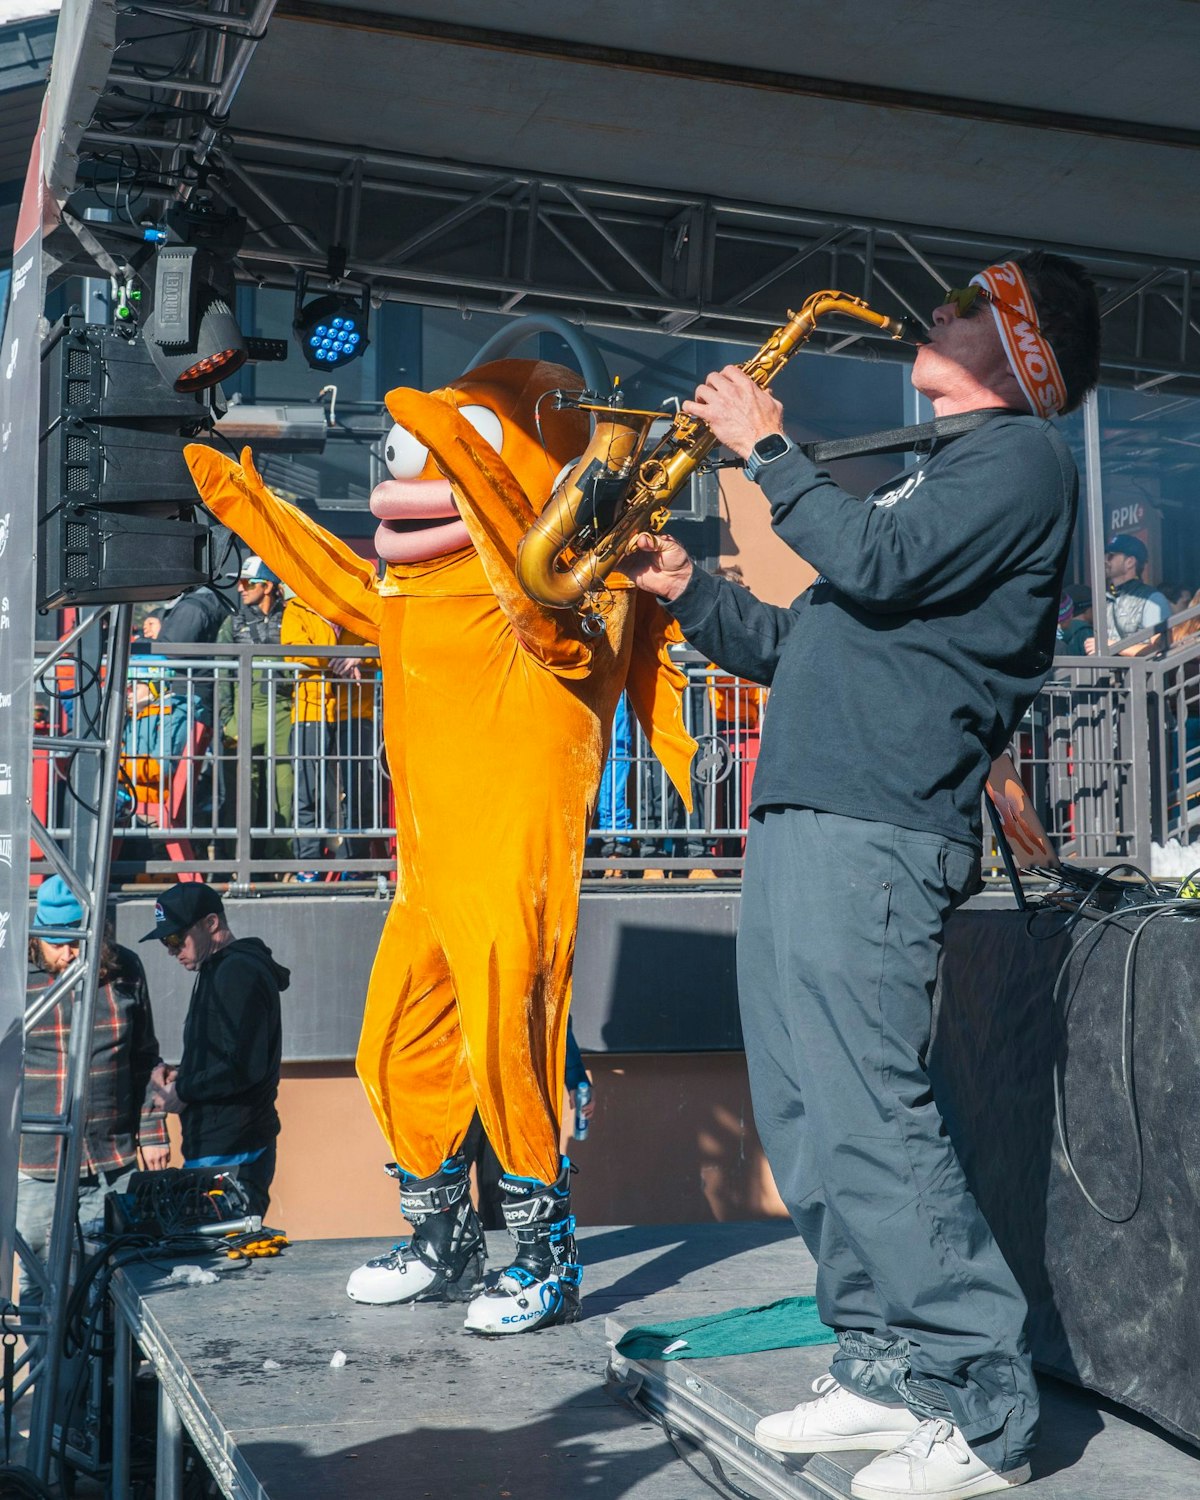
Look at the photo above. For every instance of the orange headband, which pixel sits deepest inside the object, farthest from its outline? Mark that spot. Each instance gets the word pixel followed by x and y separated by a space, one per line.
pixel 1030 356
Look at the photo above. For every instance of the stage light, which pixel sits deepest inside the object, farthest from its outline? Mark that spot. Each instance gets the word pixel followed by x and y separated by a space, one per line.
pixel 192 334
pixel 331 330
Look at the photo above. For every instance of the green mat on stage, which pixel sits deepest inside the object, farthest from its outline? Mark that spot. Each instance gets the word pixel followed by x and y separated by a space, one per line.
pixel 788 1324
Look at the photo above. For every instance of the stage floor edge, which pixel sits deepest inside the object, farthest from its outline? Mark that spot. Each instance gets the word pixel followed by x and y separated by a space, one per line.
pixel 420 1402
pixel 1090 1448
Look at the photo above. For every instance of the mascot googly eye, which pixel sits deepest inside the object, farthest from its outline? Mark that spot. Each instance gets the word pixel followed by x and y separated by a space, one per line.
pixel 404 456
pixel 486 423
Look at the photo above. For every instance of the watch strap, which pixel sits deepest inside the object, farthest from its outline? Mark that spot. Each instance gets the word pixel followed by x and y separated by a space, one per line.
pixel 755 465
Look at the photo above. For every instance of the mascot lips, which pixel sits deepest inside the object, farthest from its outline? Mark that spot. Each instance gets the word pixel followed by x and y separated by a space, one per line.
pixel 418 520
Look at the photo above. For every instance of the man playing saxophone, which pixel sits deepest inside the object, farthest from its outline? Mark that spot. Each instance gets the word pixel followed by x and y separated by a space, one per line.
pixel 896 679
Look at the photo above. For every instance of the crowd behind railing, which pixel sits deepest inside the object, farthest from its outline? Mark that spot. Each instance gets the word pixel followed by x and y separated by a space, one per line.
pixel 250 762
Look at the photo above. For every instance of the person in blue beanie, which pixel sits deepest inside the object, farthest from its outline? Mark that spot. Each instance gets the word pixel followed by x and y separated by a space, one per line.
pixel 123 1119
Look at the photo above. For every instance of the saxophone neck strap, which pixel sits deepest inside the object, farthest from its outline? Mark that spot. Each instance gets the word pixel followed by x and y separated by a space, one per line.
pixel 918 439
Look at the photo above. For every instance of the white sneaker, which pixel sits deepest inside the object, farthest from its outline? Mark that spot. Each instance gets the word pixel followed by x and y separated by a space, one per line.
pixel 838 1421
pixel 935 1463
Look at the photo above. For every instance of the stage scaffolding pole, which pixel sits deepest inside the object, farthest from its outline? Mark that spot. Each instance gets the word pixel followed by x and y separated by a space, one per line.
pixel 89 855
pixel 1096 535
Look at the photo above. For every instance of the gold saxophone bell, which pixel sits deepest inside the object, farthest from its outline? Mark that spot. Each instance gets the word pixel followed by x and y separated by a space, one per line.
pixel 617 490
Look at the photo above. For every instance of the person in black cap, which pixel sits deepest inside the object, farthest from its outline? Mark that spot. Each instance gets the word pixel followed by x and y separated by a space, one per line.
pixel 225 1085
pixel 1132 605
pixel 257 621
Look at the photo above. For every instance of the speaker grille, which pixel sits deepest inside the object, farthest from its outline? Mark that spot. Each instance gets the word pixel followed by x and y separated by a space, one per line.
pixel 78 392
pixel 79 362
pixel 77 536
pixel 78 449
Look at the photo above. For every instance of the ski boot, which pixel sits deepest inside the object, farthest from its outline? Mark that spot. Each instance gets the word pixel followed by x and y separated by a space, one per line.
pixel 541 1286
pixel 443 1262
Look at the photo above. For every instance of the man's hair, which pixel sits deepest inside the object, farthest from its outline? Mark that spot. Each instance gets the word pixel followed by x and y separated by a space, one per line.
pixel 1068 311
pixel 111 966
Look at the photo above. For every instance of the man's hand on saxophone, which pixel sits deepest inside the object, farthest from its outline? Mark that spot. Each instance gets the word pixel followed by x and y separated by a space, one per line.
pixel 658 564
pixel 738 412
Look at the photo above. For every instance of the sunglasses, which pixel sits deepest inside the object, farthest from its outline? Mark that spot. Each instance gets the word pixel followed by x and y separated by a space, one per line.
pixel 174 941
pixel 966 301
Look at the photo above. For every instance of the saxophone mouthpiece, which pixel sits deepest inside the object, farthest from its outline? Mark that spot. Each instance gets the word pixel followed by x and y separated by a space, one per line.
pixel 911 332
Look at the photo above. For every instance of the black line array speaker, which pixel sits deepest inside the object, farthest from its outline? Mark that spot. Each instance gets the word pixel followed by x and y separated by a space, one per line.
pixel 116 501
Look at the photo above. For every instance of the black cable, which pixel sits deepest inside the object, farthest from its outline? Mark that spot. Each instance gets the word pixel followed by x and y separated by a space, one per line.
pixel 133 178
pixel 191 31
pixel 168 70
pixel 627 1394
pixel 64 694
pixel 1149 913
pixel 9 1340
pixel 92 809
pixel 1072 918
pixel 719 1481
pixel 19 1483
pixel 158 111
pixel 84 1324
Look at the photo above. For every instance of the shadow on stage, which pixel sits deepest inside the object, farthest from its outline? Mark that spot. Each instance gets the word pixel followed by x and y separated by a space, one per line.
pixel 585 1445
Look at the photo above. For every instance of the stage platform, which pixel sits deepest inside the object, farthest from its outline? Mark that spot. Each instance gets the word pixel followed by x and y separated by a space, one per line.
pixel 422 1409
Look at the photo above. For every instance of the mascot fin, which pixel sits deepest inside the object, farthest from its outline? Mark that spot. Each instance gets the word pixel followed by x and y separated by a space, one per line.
pixel 327 575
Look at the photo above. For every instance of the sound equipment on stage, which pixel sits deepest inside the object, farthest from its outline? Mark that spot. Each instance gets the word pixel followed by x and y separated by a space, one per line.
pixel 116 500
pixel 178 1201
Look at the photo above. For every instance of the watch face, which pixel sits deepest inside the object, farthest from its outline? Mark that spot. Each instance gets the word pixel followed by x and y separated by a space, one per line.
pixel 774 445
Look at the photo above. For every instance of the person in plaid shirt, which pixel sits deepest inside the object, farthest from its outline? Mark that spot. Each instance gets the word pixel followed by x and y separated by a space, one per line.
pixel 123 1116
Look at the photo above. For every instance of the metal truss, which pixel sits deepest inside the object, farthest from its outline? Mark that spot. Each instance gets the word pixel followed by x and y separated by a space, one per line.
pixel 89 756
pixel 488 239
pixel 618 256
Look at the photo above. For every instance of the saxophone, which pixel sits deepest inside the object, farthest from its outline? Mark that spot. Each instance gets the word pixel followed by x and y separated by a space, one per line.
pixel 616 491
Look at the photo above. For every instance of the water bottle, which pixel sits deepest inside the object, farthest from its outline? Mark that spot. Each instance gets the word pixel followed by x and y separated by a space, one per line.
pixel 583 1097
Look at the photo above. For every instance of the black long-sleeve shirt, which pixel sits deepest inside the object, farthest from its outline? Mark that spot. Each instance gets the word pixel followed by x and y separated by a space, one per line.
pixel 904 670
pixel 232 1047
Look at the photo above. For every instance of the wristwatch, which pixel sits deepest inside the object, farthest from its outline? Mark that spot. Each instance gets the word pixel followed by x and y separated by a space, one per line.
pixel 766 451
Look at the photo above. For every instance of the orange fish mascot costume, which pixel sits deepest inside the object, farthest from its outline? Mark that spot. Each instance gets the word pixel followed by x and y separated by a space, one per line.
pixel 497 715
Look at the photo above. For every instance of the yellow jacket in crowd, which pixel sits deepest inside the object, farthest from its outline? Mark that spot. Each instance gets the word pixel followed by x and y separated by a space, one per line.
pixel 320 697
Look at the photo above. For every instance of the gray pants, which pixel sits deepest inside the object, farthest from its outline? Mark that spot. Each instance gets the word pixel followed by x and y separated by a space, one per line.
pixel 315 787
pixel 838 949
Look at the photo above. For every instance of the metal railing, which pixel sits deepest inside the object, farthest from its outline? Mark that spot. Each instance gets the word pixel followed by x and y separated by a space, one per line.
pixel 242 764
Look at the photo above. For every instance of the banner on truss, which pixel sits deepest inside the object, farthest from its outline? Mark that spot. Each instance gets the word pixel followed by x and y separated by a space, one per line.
pixel 19 397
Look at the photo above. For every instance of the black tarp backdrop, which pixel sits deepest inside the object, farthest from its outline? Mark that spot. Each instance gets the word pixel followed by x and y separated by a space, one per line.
pixel 1112 1305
